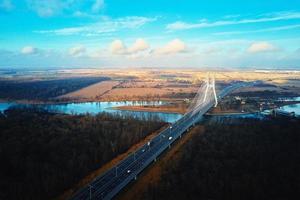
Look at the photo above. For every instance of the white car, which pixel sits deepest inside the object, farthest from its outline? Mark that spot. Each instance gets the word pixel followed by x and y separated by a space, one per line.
pixel 128 171
pixel 170 138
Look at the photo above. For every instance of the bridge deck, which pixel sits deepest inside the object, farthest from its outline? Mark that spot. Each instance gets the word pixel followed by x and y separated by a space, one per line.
pixel 115 179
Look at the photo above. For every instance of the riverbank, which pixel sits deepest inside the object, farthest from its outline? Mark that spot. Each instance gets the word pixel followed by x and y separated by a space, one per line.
pixel 165 109
pixel 231 113
pixel 82 100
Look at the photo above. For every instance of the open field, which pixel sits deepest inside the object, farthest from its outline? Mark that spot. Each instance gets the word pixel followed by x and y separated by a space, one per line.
pixel 43 90
pixel 152 84
pixel 91 92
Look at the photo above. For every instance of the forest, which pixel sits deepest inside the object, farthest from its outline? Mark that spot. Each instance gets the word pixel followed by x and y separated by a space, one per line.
pixel 44 89
pixel 254 160
pixel 42 154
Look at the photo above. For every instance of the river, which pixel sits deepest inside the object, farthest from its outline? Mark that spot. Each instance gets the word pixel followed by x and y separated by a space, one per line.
pixel 99 107
pixel 293 107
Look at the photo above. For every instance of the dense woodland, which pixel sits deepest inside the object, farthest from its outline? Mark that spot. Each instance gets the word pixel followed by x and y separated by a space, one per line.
pixel 259 160
pixel 42 90
pixel 42 154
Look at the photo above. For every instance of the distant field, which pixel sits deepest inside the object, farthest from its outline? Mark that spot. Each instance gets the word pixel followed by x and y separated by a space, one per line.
pixel 136 84
pixel 92 91
pixel 43 90
pixel 181 84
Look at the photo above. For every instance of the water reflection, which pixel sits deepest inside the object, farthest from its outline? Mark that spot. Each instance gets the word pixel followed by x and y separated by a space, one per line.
pixel 292 108
pixel 98 107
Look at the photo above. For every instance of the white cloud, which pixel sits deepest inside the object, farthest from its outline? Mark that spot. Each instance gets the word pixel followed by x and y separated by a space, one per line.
pixel 29 50
pixel 139 45
pixel 118 47
pixel 279 28
pixel 6 5
pixel 174 46
pixel 106 25
pixel 258 47
pixel 77 51
pixel 48 8
pixel 98 5
pixel 180 25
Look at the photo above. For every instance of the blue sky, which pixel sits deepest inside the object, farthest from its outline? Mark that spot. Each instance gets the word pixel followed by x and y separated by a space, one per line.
pixel 142 33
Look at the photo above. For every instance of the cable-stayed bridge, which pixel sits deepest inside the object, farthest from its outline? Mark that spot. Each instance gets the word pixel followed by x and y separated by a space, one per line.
pixel 107 185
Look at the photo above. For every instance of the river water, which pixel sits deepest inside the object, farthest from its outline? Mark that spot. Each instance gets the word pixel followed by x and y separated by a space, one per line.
pixel 99 107
pixel 293 107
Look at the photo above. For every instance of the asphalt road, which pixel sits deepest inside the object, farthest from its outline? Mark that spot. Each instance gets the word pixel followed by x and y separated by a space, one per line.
pixel 115 179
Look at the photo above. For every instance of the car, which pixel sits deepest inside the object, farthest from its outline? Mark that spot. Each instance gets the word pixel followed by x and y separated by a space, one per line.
pixel 170 138
pixel 128 171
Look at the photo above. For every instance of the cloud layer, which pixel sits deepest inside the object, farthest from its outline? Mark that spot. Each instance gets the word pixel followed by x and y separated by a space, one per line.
pixel 49 8
pixel 106 25
pixel 27 50
pixel 99 31
pixel 118 47
pixel 259 47
pixel 204 23
pixel 174 46
pixel 77 50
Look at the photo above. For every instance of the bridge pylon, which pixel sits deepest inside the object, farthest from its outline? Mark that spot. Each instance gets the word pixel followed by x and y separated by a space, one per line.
pixel 205 95
pixel 210 86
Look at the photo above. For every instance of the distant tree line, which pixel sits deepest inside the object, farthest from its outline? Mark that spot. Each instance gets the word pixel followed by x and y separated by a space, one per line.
pixel 258 160
pixel 265 94
pixel 42 154
pixel 42 90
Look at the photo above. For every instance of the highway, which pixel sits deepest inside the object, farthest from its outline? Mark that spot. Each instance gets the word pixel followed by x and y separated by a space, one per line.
pixel 115 179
